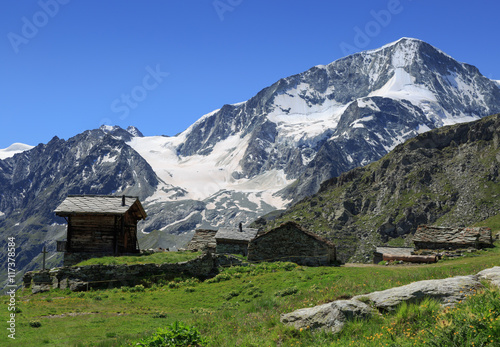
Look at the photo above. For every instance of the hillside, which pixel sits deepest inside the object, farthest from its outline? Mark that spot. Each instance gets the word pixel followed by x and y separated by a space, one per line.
pixel 448 176
pixel 242 306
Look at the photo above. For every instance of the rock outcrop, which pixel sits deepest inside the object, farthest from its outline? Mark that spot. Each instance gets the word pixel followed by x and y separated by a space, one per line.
pixel 333 316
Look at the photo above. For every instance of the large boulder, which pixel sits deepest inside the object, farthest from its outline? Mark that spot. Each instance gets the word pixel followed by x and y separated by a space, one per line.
pixel 448 291
pixel 491 275
pixel 333 316
pixel 330 317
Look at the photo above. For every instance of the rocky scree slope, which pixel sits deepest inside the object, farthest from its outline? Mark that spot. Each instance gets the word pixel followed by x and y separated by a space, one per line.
pixel 447 176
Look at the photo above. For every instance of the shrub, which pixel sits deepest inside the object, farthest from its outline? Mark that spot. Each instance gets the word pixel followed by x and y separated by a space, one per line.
pixel 231 295
pixel 35 324
pixel 137 288
pixel 160 314
pixel 286 291
pixel 176 334
pixel 173 285
pixel 219 278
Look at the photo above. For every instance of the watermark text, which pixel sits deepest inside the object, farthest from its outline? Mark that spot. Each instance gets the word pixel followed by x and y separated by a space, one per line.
pixel 11 286
pixel 32 25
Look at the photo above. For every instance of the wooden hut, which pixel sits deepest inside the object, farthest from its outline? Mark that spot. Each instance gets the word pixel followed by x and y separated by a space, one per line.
pixel 99 225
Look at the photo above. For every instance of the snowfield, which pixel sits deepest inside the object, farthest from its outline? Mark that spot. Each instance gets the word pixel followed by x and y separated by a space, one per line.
pixel 14 149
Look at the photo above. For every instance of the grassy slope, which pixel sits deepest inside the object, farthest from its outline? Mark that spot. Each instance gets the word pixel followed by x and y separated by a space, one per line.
pixel 155 258
pixel 242 309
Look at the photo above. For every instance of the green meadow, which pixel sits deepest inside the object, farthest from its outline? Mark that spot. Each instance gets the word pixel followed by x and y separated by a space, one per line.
pixel 241 306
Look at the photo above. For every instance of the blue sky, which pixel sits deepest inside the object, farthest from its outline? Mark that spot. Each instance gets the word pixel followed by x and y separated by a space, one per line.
pixel 71 65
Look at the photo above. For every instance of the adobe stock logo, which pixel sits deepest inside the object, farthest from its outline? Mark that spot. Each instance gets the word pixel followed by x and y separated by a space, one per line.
pixel 139 93
pixel 30 27
pixel 223 6
pixel 373 28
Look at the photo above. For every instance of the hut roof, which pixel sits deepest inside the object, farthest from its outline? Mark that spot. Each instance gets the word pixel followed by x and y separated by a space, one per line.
pixel 100 204
pixel 305 231
pixel 431 234
pixel 235 234
pixel 398 251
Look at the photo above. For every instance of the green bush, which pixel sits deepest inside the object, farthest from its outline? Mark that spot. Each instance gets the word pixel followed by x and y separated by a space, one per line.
pixel 35 324
pixel 219 278
pixel 176 335
pixel 286 291
pixel 137 288
pixel 231 295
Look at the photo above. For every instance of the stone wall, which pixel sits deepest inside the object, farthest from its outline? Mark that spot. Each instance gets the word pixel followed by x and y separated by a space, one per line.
pixel 79 278
pixel 289 242
pixel 203 240
pixel 232 247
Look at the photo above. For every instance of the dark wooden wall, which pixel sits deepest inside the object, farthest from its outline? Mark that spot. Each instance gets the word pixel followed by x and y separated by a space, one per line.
pixel 101 233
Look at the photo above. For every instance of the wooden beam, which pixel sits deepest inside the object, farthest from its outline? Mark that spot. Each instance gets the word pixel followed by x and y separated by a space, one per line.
pixel 411 258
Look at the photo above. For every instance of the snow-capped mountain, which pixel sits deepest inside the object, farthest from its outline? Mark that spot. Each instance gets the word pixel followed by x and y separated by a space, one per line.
pixel 250 158
pixel 247 159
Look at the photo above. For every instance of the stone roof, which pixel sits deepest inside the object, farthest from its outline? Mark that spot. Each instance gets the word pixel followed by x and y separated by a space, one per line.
pixel 234 234
pixel 397 251
pixel 305 231
pixel 99 204
pixel 466 236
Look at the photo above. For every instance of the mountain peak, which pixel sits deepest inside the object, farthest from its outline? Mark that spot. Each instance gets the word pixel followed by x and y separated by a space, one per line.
pixel 134 131
pixel 115 130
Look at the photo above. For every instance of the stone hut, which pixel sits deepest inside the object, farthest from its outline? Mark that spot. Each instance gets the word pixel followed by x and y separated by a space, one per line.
pixel 203 240
pixel 99 225
pixel 429 237
pixel 291 242
pixel 234 240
